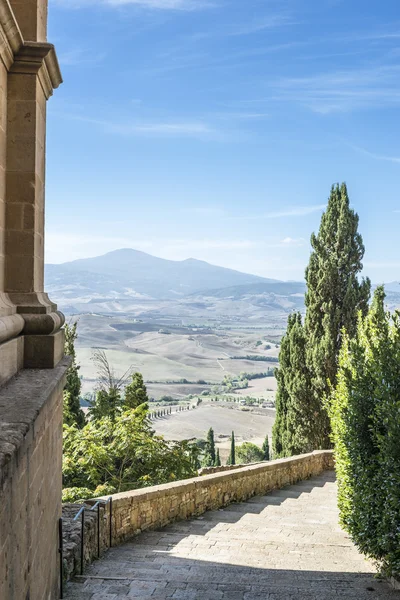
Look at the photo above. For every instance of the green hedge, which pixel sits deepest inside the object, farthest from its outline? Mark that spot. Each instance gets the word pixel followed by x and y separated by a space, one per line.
pixel 365 414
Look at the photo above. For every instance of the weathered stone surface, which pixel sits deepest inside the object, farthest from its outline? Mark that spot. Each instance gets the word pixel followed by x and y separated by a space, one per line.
pixel 286 545
pixel 72 535
pixel 30 483
pixel 141 510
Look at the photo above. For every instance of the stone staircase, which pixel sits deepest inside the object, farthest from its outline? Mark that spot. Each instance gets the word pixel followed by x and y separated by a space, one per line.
pixel 286 545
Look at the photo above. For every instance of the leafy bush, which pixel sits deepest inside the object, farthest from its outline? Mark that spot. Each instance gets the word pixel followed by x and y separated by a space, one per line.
pixel 248 453
pixel 124 453
pixel 76 494
pixel 365 414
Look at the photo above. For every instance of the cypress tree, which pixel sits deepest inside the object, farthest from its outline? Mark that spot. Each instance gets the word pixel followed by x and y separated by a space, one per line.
pixel 333 300
pixel 211 444
pixel 232 454
pixel 135 392
pixel 265 449
pixel 296 430
pixel 217 459
pixel 73 414
pixel 209 456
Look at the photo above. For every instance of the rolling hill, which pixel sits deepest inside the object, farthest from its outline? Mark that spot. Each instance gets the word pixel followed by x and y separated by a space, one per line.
pixel 128 273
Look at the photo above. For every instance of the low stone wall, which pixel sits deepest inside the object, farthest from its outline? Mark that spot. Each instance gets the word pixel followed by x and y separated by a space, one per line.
pixel 151 508
pixel 72 534
pixel 30 483
pixel 224 468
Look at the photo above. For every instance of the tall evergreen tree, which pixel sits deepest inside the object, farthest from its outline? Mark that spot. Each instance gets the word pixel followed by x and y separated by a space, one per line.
pixel 217 459
pixel 334 297
pixel 135 393
pixel 73 414
pixel 209 450
pixel 232 454
pixel 211 444
pixel 265 449
pixel 296 430
pixel 366 430
pixel 105 404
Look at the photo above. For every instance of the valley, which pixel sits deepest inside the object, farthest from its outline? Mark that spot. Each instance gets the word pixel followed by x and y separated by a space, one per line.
pixel 192 329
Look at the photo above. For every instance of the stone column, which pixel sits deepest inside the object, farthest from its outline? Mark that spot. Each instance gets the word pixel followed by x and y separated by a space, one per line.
pixel 31 80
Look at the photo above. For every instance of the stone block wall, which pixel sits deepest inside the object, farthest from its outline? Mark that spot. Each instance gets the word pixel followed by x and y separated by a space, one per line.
pixel 151 508
pixel 224 468
pixel 30 484
pixel 72 535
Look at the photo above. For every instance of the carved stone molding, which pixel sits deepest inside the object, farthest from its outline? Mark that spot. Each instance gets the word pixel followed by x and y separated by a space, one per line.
pixel 39 58
pixel 10 34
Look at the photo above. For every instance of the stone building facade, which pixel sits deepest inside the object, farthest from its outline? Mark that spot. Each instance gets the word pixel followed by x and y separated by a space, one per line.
pixel 32 367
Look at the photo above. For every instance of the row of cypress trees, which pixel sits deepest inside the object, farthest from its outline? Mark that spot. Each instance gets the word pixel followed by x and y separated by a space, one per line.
pixel 212 457
pixel 310 349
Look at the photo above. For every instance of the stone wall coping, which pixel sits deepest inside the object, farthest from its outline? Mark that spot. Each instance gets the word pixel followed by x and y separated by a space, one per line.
pixel 21 401
pixel 187 485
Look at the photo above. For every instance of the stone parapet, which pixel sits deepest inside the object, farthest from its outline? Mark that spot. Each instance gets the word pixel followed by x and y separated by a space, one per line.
pixel 150 508
pixel 154 507
pixel 30 483
pixel 225 468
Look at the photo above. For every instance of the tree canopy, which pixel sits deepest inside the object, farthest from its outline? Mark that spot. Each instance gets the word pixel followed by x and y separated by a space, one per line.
pixel 310 351
pixel 73 414
pixel 248 453
pixel 366 431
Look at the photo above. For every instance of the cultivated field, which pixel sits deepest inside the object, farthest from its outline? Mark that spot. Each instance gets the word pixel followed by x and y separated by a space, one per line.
pixel 167 355
pixel 248 426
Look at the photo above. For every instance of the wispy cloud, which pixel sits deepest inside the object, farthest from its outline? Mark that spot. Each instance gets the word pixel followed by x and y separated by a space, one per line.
pixel 80 57
pixel 343 91
pixel 392 159
pixel 207 211
pixel 296 211
pixel 182 5
pixel 191 129
pixel 289 241
pixel 259 24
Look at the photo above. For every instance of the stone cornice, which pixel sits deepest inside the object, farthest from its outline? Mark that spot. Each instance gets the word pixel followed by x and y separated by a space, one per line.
pixel 21 56
pixel 39 58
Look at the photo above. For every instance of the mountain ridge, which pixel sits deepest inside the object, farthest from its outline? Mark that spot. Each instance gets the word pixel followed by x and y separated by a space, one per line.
pixel 133 271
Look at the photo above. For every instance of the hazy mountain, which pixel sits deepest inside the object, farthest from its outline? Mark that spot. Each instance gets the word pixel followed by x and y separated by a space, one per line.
pixel 129 273
pixel 393 286
pixel 276 288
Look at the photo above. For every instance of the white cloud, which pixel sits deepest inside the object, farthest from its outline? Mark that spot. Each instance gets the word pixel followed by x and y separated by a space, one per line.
pixel 259 24
pixel 194 129
pixel 295 211
pixel 392 159
pixel 288 241
pixel 343 91
pixel 183 5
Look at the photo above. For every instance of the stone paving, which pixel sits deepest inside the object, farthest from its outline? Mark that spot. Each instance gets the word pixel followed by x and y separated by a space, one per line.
pixel 283 546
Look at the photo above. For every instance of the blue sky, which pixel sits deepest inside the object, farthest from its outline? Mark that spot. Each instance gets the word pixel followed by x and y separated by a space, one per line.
pixel 214 129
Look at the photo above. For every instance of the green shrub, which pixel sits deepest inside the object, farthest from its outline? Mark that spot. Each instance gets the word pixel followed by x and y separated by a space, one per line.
pixel 365 413
pixel 248 453
pixel 76 494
